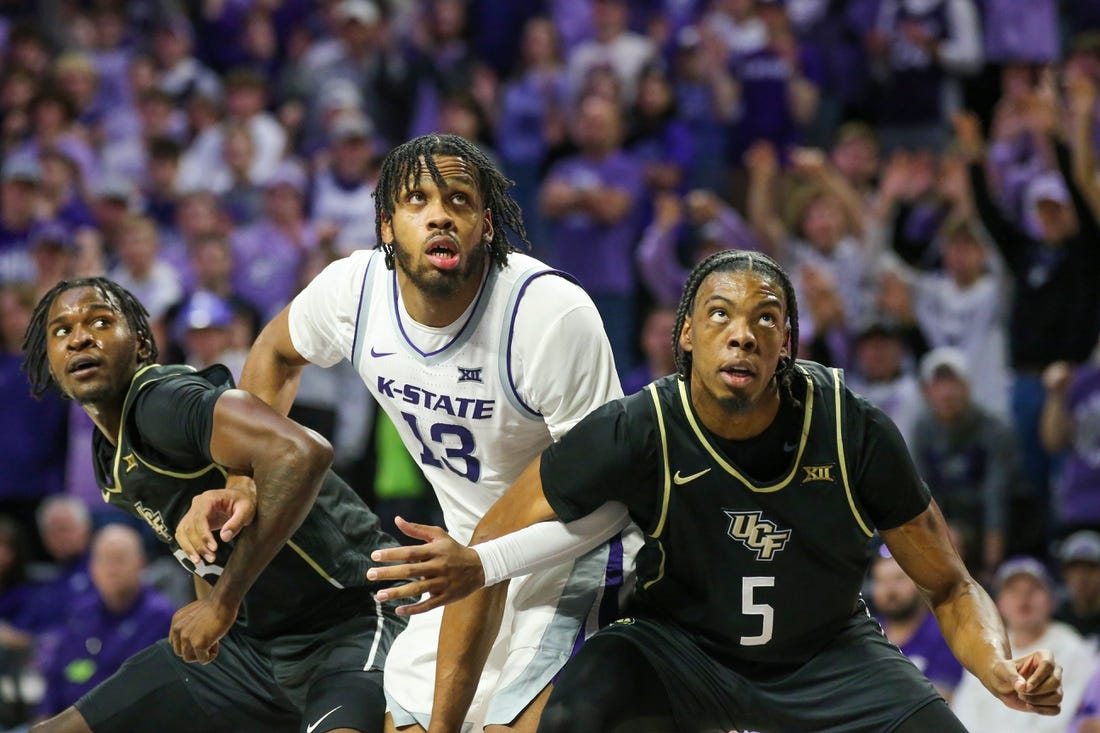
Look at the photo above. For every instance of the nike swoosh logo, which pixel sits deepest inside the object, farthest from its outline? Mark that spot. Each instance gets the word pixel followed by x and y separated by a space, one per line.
pixel 379 354
pixel 788 447
pixel 681 480
pixel 311 728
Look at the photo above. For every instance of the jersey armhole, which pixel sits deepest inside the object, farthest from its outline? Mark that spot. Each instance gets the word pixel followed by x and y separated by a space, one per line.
pixel 841 451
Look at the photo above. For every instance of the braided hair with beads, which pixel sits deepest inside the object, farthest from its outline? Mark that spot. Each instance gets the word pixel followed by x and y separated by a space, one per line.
pixel 35 360
pixel 739 260
pixel 407 162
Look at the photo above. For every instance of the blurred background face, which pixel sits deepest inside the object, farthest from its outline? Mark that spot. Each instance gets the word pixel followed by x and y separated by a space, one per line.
pixel 238 150
pixel 352 157
pixel 212 262
pixel 963 258
pixel 654 94
pixel 1026 604
pixel 893 593
pixel 823 223
pixel 282 203
pixel 657 340
pixel 204 346
pixel 540 44
pixel 1082 581
pixel 1056 220
pixel 948 396
pixel 116 564
pixel 879 357
pixel 137 247
pixel 608 18
pixel 65 533
pixel 196 215
pixel 15 316
pixel 598 126
pixel 857 159
pixel 17 202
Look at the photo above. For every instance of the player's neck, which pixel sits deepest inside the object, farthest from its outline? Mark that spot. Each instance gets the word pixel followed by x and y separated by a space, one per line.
pixel 106 418
pixel 737 424
pixel 434 310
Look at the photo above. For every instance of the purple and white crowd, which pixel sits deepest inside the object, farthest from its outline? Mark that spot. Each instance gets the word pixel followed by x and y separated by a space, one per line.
pixel 926 170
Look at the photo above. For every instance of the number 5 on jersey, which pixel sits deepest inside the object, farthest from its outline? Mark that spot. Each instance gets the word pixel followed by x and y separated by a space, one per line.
pixel 458 459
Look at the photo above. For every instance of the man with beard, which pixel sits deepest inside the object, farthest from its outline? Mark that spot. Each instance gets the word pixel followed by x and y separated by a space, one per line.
pixel 285 627
pixel 758 480
pixel 908 622
pixel 481 357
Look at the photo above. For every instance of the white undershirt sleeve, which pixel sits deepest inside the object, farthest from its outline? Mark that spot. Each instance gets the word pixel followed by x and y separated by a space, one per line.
pixel 546 544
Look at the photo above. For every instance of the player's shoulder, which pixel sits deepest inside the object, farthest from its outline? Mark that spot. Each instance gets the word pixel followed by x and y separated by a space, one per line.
pixel 531 282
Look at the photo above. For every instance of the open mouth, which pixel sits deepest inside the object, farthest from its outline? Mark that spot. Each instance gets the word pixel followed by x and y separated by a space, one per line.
pixel 738 373
pixel 80 365
pixel 443 253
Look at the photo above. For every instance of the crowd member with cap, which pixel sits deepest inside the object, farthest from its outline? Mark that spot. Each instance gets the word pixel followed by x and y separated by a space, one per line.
pixel 1055 312
pixel 1025 595
pixel 19 188
pixel 53 252
pixel 968 457
pixel 909 623
pixel 342 192
pixel 881 372
pixel 204 330
pixel 1079 555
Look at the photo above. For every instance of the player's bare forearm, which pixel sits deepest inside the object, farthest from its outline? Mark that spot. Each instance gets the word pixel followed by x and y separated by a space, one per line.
pixel 287 463
pixel 273 368
pixel 467 633
pixel 966 614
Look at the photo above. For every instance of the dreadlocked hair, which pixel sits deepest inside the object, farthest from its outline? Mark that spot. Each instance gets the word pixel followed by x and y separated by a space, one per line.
pixel 404 166
pixel 737 260
pixel 35 362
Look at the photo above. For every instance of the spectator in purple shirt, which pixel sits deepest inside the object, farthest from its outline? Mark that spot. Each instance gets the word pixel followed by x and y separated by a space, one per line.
pixel 657 137
pixel 591 200
pixel 107 625
pixel 270 253
pixel 907 622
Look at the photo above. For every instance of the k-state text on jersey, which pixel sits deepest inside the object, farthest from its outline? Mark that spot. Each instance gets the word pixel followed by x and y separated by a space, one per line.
pixel 464 407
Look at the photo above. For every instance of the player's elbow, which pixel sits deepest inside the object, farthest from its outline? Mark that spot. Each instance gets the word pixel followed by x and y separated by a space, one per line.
pixel 306 452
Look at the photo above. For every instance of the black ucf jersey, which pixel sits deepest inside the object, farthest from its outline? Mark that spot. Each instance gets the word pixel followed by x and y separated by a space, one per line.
pixel 318 578
pixel 759 571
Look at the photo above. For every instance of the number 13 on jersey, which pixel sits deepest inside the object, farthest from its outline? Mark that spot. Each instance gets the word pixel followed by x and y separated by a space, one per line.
pixel 454 445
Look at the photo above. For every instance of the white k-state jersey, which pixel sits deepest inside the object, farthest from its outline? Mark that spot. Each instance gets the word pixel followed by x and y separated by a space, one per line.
pixel 475 401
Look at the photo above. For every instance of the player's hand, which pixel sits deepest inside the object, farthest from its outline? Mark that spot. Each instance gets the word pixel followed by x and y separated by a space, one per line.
pixel 1032 683
pixel 226 511
pixel 447 571
pixel 197 628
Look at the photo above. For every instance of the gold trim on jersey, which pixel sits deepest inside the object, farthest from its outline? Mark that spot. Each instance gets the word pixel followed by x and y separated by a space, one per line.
pixel 313 564
pixel 749 483
pixel 840 454
pixel 666 483
pixel 129 457
pixel 666 487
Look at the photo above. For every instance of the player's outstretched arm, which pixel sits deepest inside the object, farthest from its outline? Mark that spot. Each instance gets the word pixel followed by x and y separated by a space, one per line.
pixel 288 463
pixel 969 619
pixel 274 367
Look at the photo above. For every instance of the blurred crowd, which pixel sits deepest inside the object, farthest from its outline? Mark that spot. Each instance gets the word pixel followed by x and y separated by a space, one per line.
pixel 925 169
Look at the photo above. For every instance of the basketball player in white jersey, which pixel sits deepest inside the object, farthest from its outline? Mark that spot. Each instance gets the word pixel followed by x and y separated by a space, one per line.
pixel 482 357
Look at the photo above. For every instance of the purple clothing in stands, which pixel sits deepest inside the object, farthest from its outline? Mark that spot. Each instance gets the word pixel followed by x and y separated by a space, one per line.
pixel 659 266
pixel 1078 489
pixel 268 265
pixel 93 642
pixel 1021 31
pixel 599 255
pixel 525 105
pixel 928 650
pixel 33 463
